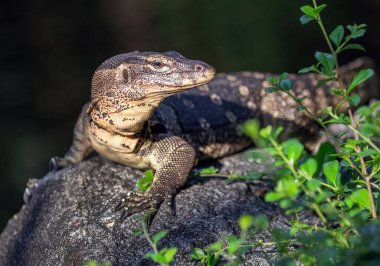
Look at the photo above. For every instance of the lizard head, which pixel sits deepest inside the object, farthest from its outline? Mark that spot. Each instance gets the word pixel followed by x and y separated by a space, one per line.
pixel 148 75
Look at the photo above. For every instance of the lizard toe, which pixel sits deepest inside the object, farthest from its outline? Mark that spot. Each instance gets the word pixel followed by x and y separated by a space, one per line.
pixel 137 202
pixel 54 164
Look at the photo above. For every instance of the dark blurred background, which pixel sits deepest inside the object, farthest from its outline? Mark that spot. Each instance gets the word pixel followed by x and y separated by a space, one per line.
pixel 49 50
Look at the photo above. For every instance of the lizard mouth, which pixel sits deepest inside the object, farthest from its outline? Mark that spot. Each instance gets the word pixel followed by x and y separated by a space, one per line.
pixel 203 77
pixel 207 75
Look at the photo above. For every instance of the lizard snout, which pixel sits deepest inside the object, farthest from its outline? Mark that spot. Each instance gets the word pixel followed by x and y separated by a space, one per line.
pixel 205 69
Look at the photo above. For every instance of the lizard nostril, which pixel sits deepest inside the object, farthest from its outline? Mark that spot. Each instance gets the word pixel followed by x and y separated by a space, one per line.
pixel 198 68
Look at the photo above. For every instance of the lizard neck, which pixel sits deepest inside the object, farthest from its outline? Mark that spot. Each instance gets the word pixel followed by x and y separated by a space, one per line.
pixel 123 117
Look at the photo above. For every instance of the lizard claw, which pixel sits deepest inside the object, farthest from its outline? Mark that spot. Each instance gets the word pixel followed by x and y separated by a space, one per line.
pixel 172 205
pixel 120 205
pixel 54 164
pixel 137 202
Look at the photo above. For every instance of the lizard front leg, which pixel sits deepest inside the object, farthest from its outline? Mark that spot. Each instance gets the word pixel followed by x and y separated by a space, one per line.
pixel 81 146
pixel 172 158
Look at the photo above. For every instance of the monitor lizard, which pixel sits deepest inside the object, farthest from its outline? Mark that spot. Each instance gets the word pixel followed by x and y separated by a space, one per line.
pixel 132 120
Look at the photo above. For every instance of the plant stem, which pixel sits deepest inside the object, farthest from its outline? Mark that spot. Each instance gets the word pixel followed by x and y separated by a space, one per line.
pixel 320 23
pixel 318 211
pixel 148 237
pixel 364 169
pixel 319 121
pixel 283 157
pixel 369 141
pixel 216 175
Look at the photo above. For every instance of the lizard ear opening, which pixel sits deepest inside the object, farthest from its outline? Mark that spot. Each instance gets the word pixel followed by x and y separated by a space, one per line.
pixel 125 75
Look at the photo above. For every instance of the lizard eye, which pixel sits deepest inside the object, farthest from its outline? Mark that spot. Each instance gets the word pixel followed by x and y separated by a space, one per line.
pixel 157 64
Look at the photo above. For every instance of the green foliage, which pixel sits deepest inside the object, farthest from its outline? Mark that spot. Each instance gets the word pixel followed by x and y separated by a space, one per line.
pixel 362 76
pixel 233 177
pixel 144 183
pixel 311 13
pixel 252 130
pixel 340 182
pixel 95 263
pixel 164 256
pixel 208 171
pixel 232 248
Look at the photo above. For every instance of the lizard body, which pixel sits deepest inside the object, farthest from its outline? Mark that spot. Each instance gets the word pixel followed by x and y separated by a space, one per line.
pixel 131 119
pixel 126 90
pixel 209 117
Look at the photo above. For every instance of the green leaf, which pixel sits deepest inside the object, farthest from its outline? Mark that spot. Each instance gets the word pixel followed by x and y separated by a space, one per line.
pixel 293 150
pixel 337 35
pixel 336 91
pixel 159 258
pixel 359 78
pixel 319 9
pixel 252 129
pixel 369 129
pixel 356 31
pixel 272 197
pixel 137 232
pixel 212 260
pixel 217 246
pixel 308 69
pixel 296 226
pixel 300 99
pixel 288 186
pixel 245 222
pixel 271 89
pixel 308 10
pixel 282 172
pixel 375 106
pixel 342 134
pixel 285 203
pixel 331 171
pixel 359 197
pixel 354 99
pixel 364 111
pixel 233 244
pixel 209 170
pixel 310 166
pixel 304 19
pixel 261 222
pixel 144 183
pixel 326 80
pixel 367 152
pixel 283 76
pixel 273 80
pixel 151 255
pixel 326 59
pixel 160 235
pixel 91 263
pixel 169 254
pixel 352 46
pixel 197 253
pixel 266 132
pixel 252 175
pixel 313 185
pixel 286 84
pixel 277 132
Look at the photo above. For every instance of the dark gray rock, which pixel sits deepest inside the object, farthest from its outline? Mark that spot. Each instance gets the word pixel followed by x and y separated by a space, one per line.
pixel 69 219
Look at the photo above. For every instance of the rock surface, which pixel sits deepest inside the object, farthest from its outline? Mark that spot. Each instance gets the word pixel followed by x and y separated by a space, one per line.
pixel 69 217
